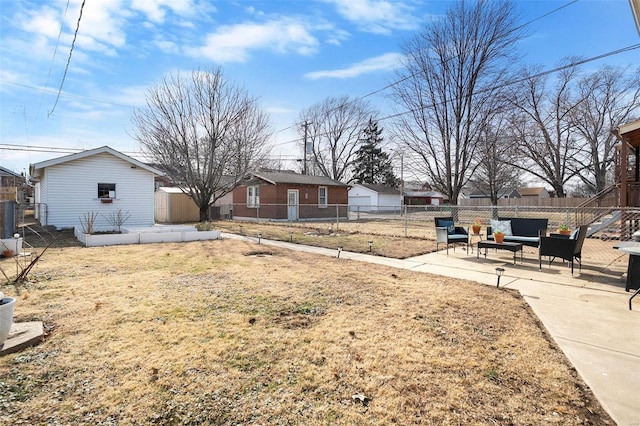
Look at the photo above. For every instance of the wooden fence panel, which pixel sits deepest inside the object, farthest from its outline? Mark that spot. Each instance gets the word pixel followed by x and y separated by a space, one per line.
pixel 525 202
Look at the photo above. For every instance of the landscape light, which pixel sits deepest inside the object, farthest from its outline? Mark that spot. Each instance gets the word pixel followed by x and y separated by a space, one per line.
pixel 339 251
pixel 499 272
pixel 370 245
pixel 259 237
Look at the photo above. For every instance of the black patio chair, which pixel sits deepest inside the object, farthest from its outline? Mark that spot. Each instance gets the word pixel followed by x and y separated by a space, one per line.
pixel 568 249
pixel 447 232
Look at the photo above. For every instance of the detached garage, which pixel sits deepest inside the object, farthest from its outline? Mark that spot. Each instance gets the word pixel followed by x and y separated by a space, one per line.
pixel 367 197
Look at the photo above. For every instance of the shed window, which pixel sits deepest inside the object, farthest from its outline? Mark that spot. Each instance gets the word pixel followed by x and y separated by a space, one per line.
pixel 253 196
pixel 322 196
pixel 106 190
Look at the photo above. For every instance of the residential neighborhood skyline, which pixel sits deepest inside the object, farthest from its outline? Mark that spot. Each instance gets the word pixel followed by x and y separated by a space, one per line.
pixel 289 54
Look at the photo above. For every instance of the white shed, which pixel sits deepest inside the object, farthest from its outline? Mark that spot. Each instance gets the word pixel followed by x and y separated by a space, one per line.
pixel 102 181
pixel 367 197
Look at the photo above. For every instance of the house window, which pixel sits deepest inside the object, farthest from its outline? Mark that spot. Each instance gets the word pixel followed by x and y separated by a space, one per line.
pixel 253 196
pixel 106 190
pixel 322 196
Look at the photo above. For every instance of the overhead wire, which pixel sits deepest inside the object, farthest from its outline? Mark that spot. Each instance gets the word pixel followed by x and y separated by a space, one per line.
pixel 55 51
pixel 403 79
pixel 508 83
pixel 66 68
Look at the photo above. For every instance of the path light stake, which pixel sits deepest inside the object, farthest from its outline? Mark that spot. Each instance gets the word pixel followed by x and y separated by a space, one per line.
pixel 241 230
pixel 339 251
pixel 291 236
pixel 499 272
pixel 370 245
pixel 259 237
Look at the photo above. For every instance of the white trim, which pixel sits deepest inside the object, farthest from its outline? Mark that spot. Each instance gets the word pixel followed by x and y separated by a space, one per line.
pixel 253 201
pixel 629 127
pixel 54 161
pixel 326 197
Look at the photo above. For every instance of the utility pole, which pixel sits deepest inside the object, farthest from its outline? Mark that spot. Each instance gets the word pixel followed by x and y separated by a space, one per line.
pixel 304 164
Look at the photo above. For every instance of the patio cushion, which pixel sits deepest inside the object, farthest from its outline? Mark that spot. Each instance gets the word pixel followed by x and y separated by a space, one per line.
pixel 503 225
pixel 451 227
pixel 519 239
pixel 574 234
pixel 458 237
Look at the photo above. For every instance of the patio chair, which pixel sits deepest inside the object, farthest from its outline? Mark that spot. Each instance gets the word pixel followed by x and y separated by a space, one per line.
pixel 568 249
pixel 447 232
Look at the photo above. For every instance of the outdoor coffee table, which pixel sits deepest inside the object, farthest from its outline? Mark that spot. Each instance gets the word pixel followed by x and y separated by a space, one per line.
pixel 514 247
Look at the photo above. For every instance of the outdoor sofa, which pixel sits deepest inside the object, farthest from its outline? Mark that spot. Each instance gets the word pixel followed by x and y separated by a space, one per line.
pixel 519 230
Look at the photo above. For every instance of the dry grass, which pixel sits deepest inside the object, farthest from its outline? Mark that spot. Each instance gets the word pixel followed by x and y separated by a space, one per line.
pixel 217 333
pixel 386 236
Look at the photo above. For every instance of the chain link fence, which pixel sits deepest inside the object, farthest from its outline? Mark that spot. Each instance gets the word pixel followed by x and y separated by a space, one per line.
pixel 607 225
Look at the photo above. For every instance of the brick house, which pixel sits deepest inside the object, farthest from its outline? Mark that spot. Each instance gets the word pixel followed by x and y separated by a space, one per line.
pixel 289 196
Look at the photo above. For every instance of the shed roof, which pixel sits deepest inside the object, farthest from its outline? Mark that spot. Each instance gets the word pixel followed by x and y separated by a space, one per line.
pixel 34 168
pixel 6 172
pixel 275 178
pixel 381 189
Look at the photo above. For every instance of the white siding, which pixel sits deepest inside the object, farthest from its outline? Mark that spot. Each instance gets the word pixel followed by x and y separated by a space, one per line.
pixel 70 190
pixel 361 196
pixel 389 201
pixel 357 192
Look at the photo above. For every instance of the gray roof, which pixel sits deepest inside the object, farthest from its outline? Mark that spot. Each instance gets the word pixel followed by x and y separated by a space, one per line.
pixel 380 189
pixel 296 178
pixel 6 172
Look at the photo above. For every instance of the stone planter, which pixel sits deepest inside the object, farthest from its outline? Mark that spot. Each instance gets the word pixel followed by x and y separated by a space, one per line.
pixel 6 317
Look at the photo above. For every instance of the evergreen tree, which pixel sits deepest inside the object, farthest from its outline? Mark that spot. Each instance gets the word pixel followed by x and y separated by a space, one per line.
pixel 372 165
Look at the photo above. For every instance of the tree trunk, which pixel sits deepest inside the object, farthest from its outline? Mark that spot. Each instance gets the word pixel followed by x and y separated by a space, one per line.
pixel 204 213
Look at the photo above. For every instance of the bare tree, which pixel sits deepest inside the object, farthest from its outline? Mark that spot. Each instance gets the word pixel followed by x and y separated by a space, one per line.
pixel 609 97
pixel 203 131
pixel 546 141
pixel 332 130
pixel 451 83
pixel 493 174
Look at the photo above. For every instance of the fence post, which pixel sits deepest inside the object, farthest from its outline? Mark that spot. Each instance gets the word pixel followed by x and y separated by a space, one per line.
pixel 337 217
pixel 405 221
pixel 566 214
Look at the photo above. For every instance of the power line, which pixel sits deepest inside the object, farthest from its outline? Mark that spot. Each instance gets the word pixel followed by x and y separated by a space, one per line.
pixel 55 51
pixel 66 68
pixel 508 83
pixel 390 85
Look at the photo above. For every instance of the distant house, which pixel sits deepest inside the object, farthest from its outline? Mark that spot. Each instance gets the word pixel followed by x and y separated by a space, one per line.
pixel 289 196
pixel 100 181
pixel 503 193
pixel 423 198
pixel 12 185
pixel 534 192
pixel 368 197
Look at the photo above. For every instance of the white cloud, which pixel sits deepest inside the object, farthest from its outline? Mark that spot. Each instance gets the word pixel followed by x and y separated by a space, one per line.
pixel 385 62
pixel 232 43
pixel 156 10
pixel 377 16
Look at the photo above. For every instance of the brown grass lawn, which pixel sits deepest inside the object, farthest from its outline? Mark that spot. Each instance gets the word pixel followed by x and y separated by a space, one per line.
pixel 387 236
pixel 217 333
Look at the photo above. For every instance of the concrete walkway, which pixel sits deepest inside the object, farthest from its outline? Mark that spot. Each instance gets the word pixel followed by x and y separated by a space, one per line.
pixel 587 314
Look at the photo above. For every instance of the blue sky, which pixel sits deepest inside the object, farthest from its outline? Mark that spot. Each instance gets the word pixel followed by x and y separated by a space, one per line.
pixel 289 53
